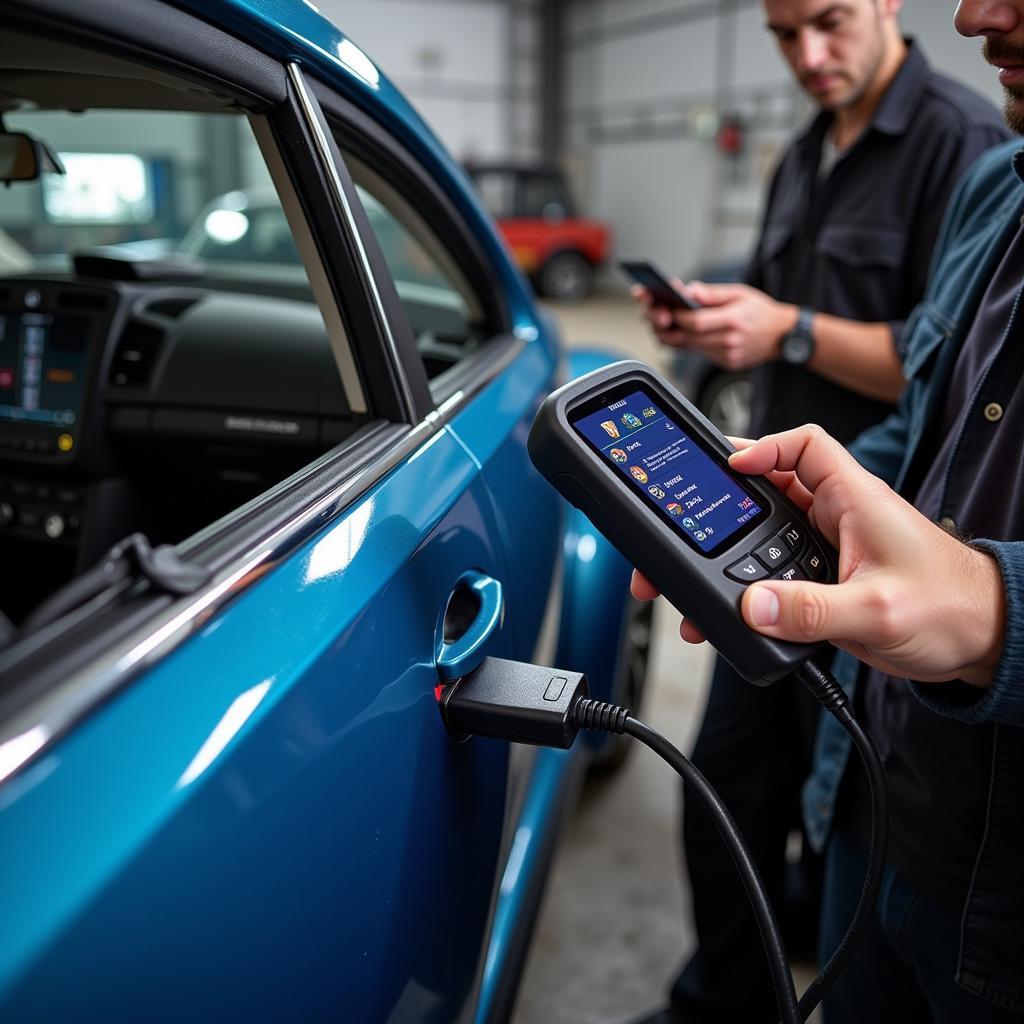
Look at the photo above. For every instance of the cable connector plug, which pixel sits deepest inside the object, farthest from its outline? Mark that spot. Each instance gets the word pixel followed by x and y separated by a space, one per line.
pixel 510 700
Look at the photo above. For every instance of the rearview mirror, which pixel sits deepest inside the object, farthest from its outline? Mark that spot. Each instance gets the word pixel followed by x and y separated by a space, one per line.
pixel 25 158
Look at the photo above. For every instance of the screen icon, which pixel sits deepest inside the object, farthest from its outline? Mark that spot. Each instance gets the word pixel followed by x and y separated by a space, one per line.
pixel 689 523
pixel 701 535
pixel 638 474
pixel 656 491
pixel 610 429
pixel 676 510
pixel 650 413
pixel 631 421
pixel 618 455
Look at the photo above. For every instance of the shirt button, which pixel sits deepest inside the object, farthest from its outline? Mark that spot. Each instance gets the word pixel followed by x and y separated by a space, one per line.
pixel 949 525
pixel 993 412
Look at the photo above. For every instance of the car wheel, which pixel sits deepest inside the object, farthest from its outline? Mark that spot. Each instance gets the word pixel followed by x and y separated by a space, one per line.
pixel 630 681
pixel 567 277
pixel 725 399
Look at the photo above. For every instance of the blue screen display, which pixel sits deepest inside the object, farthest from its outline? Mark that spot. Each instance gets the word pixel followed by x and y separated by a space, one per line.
pixel 658 458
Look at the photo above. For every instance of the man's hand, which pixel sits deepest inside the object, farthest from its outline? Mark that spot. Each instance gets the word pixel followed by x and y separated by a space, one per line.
pixel 911 599
pixel 739 326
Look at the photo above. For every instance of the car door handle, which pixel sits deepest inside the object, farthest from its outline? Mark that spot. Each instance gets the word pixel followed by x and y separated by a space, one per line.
pixel 466 651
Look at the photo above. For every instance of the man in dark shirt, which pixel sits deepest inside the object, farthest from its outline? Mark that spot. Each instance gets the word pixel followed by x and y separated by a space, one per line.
pixel 851 220
pixel 931 602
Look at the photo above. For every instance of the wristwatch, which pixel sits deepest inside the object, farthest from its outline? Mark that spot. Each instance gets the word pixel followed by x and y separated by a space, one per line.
pixel 798 345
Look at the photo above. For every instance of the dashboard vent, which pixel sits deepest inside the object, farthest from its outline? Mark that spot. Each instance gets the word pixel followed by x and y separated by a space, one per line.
pixel 135 354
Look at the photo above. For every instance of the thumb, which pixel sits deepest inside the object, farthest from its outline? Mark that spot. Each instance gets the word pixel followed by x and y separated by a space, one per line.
pixel 810 612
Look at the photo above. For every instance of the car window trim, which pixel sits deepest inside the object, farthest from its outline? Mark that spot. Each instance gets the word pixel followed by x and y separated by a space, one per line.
pixel 376 147
pixel 343 190
pixel 164 37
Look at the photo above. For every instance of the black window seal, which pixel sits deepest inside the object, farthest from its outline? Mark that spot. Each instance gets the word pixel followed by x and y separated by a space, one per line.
pixel 163 37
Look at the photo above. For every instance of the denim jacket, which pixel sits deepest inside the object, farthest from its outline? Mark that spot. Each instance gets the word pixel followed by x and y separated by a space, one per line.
pixel 983 217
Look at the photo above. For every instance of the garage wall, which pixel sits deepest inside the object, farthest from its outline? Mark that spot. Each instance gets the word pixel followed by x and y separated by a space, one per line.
pixel 645 81
pixel 469 66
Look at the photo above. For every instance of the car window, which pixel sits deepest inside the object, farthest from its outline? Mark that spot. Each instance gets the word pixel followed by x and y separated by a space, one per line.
pixel 170 348
pixel 445 315
pixel 153 184
pixel 543 195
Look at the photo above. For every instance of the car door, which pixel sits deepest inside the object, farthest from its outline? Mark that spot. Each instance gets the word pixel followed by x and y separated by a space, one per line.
pixel 241 802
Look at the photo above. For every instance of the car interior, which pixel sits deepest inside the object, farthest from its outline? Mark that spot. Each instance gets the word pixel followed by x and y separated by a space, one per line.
pixel 163 358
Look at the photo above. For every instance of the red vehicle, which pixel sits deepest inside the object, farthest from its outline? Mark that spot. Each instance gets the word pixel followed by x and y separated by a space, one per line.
pixel 558 249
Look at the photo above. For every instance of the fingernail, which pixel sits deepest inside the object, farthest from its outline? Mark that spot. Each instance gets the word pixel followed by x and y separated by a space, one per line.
pixel 764 607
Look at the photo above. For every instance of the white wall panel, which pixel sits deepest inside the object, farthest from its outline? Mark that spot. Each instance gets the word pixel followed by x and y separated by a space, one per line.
pixel 674 61
pixel 653 192
pixel 949 52
pixel 453 60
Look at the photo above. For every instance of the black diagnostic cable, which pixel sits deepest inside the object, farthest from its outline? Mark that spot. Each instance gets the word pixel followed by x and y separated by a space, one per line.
pixel 595 716
pixel 529 704
pixel 833 698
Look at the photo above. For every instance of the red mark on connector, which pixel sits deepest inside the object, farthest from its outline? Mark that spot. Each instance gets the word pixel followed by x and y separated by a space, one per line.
pixel 438 691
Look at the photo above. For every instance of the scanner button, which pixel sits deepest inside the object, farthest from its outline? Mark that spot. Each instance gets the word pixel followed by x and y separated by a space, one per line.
pixel 794 572
pixel 793 535
pixel 747 570
pixel 775 553
pixel 814 564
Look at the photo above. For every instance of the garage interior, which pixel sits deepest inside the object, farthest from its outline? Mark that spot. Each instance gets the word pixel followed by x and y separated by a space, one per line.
pixel 665 118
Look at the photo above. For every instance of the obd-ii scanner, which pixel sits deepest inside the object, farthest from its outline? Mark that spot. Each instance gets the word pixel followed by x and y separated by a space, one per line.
pixel 652 474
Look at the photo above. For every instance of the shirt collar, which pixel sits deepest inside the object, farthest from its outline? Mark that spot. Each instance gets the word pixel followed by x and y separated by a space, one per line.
pixel 893 115
pixel 1018 164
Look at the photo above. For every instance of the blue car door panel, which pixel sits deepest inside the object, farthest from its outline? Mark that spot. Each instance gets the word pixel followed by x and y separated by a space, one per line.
pixel 294 785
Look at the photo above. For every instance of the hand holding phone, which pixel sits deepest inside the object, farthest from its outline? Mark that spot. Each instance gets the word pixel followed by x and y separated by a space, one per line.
pixel 662 291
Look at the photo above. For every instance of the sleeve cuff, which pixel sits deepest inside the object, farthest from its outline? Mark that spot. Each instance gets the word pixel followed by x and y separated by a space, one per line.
pixel 1003 701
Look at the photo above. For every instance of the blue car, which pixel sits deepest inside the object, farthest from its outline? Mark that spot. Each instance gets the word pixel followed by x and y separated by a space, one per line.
pixel 253 513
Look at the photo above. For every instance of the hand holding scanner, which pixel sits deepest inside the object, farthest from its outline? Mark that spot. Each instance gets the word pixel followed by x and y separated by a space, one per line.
pixel 652 474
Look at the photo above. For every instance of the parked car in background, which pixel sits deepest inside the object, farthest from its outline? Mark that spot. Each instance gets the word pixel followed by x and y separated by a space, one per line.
pixel 558 248
pixel 225 789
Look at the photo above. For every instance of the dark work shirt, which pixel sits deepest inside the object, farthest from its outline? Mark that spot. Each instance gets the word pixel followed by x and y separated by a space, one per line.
pixel 938 769
pixel 857 243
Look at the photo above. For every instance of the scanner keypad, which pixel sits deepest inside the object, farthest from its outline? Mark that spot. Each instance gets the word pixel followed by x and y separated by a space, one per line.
pixel 789 555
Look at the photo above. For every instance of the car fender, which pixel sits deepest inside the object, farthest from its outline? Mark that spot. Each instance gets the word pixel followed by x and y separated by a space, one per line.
pixel 595 582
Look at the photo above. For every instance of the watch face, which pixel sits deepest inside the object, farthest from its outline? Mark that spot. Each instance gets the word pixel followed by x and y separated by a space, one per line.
pixel 797 348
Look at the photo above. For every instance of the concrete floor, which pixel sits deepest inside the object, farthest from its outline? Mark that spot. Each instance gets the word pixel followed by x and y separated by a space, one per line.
pixel 615 923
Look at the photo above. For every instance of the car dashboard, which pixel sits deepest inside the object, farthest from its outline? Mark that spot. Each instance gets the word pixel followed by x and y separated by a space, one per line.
pixel 147 406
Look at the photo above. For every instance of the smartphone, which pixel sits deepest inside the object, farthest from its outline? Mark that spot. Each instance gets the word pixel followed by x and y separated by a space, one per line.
pixel 663 291
pixel 652 474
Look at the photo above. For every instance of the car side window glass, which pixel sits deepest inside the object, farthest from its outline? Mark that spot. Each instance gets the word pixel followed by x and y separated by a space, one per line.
pixel 444 314
pixel 156 315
